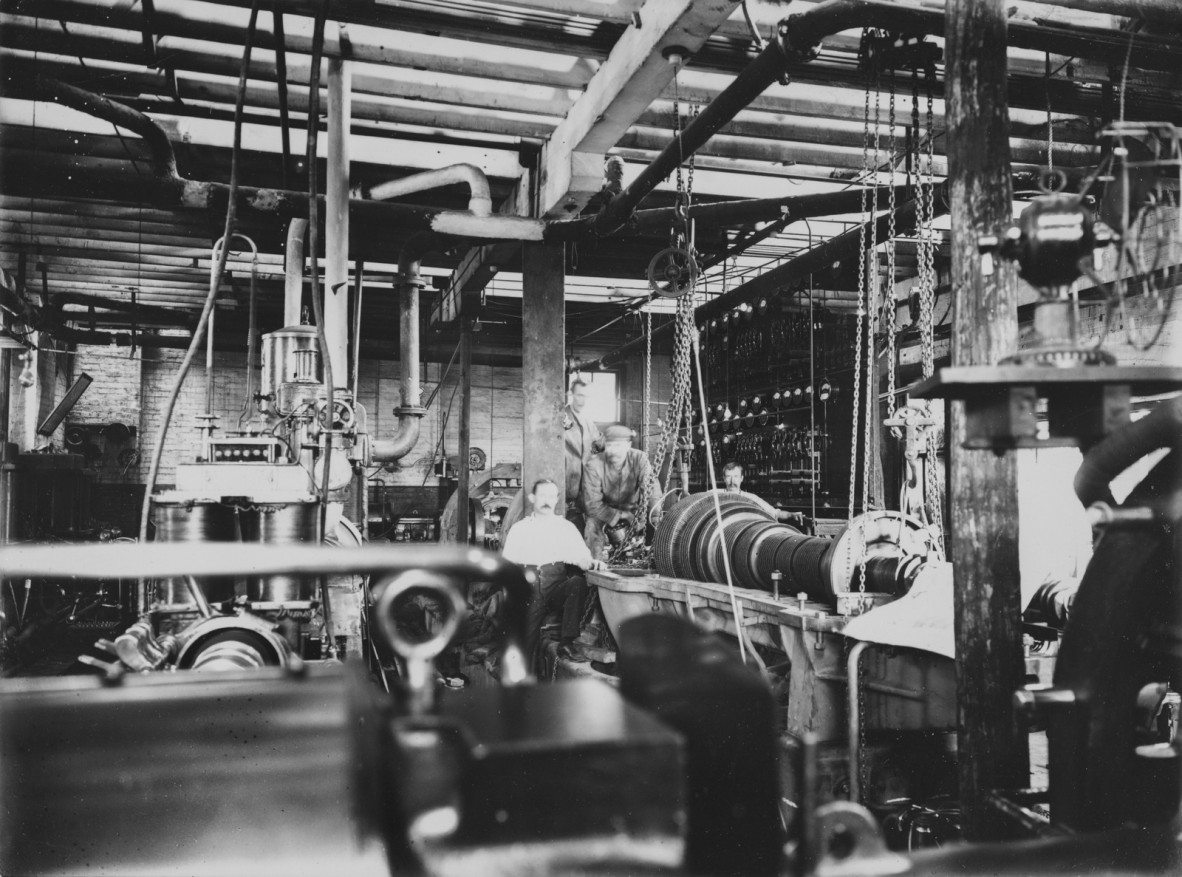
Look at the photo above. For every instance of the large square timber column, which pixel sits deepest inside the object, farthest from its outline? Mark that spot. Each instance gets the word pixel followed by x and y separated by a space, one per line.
pixel 543 363
pixel 982 486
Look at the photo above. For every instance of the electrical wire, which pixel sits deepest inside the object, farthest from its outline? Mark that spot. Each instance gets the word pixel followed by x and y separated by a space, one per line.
pixel 214 284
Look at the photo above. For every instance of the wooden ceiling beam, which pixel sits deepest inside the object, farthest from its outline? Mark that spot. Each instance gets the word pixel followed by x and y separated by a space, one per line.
pixel 200 21
pixel 634 75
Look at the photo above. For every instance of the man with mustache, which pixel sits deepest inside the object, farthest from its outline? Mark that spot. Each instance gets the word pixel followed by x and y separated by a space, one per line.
pixel 611 488
pixel 550 545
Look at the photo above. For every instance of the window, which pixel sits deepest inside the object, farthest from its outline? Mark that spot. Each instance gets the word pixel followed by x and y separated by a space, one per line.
pixel 603 405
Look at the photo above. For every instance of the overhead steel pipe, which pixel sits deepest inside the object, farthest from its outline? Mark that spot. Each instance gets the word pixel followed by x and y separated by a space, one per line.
pixel 768 67
pixel 727 212
pixel 479 198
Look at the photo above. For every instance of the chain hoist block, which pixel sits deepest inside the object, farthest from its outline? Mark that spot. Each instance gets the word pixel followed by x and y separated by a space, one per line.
pixel 672 272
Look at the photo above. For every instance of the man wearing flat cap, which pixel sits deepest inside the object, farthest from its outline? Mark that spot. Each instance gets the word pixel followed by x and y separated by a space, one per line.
pixel 611 487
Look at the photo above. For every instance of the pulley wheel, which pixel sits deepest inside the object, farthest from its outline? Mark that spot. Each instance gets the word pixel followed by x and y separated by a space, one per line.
pixel 672 272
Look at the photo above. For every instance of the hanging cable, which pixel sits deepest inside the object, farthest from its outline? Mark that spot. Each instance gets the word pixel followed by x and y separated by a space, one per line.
pixel 214 284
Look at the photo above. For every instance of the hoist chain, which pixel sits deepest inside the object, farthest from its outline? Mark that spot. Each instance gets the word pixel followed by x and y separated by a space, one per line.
pixel 648 374
pixel 932 486
pixel 889 292
pixel 678 411
pixel 1050 120
pixel 861 310
pixel 867 313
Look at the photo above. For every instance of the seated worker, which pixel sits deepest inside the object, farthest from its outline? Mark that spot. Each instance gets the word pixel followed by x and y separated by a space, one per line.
pixel 548 544
pixel 611 487
pixel 732 480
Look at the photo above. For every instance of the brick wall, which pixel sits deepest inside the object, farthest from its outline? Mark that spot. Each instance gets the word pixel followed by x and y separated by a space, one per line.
pixel 160 368
pixel 134 391
pixel 114 397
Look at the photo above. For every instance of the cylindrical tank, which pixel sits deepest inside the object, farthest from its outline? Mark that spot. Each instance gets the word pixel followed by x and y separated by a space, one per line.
pixel 184 519
pixel 293 373
pixel 287 522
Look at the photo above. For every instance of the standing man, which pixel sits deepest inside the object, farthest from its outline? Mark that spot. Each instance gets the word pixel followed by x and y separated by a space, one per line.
pixel 549 545
pixel 582 441
pixel 611 487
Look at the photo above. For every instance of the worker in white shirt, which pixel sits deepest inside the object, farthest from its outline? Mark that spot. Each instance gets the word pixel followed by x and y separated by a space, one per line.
pixel 550 545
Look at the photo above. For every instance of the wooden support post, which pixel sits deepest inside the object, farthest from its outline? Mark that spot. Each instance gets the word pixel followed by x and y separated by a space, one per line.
pixel 983 489
pixel 543 367
pixel 462 483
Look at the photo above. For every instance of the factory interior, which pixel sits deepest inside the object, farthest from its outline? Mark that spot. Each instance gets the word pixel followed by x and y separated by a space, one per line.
pixel 753 427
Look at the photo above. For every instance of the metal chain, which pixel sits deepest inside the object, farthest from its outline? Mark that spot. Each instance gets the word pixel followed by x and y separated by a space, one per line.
pixel 863 761
pixel 648 374
pixel 679 409
pixel 861 310
pixel 871 308
pixel 1050 124
pixel 889 292
pixel 933 487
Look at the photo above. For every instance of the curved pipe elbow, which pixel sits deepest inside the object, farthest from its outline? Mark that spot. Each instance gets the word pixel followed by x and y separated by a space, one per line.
pixel 479 198
pixel 406 435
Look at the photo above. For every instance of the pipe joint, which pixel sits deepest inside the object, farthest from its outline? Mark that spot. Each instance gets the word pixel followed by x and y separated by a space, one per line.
pixel 795 52
pixel 410 411
pixel 411 283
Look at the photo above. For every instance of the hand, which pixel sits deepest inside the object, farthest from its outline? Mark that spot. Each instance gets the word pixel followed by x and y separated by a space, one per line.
pixel 597 564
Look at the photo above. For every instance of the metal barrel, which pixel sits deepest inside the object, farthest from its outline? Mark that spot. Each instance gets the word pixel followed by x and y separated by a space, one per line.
pixel 193 520
pixel 291 522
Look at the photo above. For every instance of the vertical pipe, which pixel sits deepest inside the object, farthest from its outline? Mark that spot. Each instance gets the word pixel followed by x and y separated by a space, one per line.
pixel 7 466
pixel 358 289
pixel 336 219
pixel 983 488
pixel 209 361
pixel 293 272
pixel 5 392
pixel 462 485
